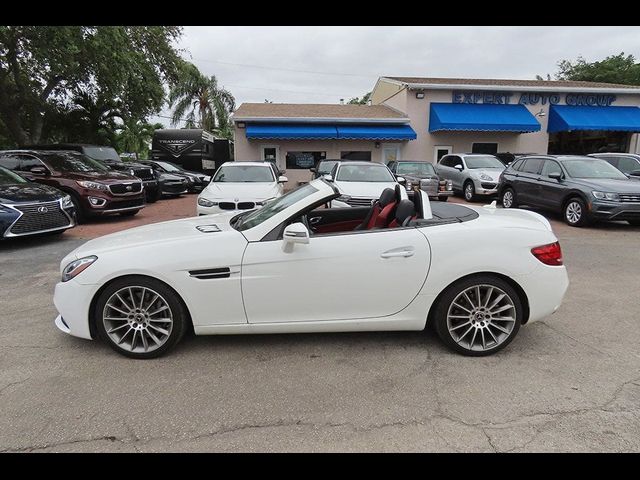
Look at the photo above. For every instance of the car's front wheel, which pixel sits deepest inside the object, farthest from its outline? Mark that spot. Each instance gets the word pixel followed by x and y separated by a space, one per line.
pixel 479 315
pixel 509 198
pixel 140 317
pixel 575 212
pixel 469 191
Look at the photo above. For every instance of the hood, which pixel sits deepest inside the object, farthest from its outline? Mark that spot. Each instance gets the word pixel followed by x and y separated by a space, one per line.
pixel 364 189
pixel 110 177
pixel 175 231
pixel 241 191
pixel 623 185
pixel 170 177
pixel 494 173
pixel 28 192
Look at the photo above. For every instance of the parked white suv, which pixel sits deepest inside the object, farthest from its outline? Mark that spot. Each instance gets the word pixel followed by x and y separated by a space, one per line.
pixel 240 186
pixel 360 183
pixel 472 174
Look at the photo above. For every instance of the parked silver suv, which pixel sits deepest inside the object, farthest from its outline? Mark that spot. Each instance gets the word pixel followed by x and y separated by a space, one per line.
pixel 473 174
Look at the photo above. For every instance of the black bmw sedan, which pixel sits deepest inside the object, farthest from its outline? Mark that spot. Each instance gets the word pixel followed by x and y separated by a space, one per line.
pixel 583 189
pixel 28 208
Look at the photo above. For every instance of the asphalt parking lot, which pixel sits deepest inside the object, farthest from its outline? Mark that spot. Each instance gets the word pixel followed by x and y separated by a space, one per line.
pixel 568 383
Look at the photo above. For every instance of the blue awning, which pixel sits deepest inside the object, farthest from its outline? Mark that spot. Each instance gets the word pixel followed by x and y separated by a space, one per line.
pixel 481 117
pixel 291 131
pixel 563 118
pixel 376 132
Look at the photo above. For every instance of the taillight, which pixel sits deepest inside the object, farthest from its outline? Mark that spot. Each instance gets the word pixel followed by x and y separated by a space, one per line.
pixel 550 254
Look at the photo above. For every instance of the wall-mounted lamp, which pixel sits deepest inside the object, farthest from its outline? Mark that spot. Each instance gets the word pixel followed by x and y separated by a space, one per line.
pixel 240 124
pixel 419 94
pixel 377 144
pixel 541 113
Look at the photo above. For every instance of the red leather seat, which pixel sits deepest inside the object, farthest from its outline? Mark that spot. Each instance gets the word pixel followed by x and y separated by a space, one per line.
pixel 405 212
pixel 386 215
pixel 387 197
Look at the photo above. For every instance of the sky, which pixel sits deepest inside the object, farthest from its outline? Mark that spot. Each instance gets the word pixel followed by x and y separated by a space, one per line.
pixel 315 64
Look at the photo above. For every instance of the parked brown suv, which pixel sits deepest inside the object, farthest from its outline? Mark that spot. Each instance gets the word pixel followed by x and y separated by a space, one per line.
pixel 94 188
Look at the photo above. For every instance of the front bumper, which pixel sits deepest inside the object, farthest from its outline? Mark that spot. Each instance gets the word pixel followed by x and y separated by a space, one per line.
pixel 116 205
pixel 12 226
pixel 200 210
pixel 603 210
pixel 73 301
pixel 484 187
pixel 174 188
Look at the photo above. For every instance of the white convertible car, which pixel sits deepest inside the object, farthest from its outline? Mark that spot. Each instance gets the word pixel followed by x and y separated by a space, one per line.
pixel 477 274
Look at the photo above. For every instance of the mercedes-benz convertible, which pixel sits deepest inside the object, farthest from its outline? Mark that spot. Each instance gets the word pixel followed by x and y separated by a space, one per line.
pixel 475 273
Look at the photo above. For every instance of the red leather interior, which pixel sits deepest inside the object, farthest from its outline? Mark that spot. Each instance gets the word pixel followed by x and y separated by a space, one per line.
pixel 387 213
pixel 343 226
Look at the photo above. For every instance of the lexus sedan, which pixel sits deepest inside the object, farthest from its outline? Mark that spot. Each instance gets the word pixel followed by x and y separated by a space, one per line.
pixel 394 265
pixel 472 174
pixel 583 189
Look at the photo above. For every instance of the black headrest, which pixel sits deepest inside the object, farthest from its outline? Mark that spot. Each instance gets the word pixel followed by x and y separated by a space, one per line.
pixel 398 194
pixel 417 201
pixel 406 209
pixel 387 196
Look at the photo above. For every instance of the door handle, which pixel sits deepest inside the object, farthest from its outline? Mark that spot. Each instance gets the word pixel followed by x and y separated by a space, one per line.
pixel 315 220
pixel 399 252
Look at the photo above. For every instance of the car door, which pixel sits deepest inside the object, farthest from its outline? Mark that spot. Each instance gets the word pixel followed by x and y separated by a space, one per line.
pixel 526 185
pixel 550 191
pixel 355 275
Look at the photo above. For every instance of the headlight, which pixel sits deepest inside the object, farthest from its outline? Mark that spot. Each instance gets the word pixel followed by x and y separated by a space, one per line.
pixel 343 198
pixel 91 185
pixel 66 202
pixel 203 202
pixel 409 185
pixel 614 197
pixel 132 172
pixel 449 185
pixel 206 178
pixel 77 267
pixel 484 176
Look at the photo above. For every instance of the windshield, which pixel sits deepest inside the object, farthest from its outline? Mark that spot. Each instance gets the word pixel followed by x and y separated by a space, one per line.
pixel 7 177
pixel 256 217
pixel 73 162
pixel 101 153
pixel 483 162
pixel 326 166
pixel 415 168
pixel 243 174
pixel 169 167
pixel 592 168
pixel 364 173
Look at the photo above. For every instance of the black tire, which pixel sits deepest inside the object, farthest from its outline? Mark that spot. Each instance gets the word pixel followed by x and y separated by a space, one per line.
pixel 446 300
pixel 574 212
pixel 469 191
pixel 152 197
pixel 635 223
pixel 511 200
pixel 177 309
pixel 129 214
pixel 81 216
pixel 443 199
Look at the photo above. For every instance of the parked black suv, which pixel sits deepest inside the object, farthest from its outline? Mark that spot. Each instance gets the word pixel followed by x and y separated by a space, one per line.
pixel 196 180
pixel 583 188
pixel 109 157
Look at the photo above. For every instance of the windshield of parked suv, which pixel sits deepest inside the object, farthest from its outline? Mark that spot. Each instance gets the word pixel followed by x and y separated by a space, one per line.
pixel 326 166
pixel 415 168
pixel 364 173
pixel 256 217
pixel 243 174
pixel 7 177
pixel 169 167
pixel 102 153
pixel 483 162
pixel 592 168
pixel 73 162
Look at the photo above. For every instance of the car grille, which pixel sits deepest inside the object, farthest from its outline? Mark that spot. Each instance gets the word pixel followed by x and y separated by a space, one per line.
pixel 630 197
pixel 138 202
pixel 237 206
pixel 489 186
pixel 33 220
pixel 430 185
pixel 144 173
pixel 360 202
pixel 126 188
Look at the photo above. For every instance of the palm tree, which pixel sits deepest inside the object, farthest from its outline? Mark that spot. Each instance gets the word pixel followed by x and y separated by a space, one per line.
pixel 134 136
pixel 198 100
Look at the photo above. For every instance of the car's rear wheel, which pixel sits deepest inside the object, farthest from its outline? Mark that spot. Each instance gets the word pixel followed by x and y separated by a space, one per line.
pixel 140 317
pixel 469 191
pixel 509 198
pixel 479 315
pixel 81 216
pixel 575 212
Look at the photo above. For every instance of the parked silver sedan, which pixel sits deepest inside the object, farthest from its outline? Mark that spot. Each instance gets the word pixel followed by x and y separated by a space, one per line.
pixel 473 174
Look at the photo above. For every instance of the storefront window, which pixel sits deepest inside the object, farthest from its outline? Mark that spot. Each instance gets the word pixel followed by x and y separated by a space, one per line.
pixel 304 160
pixel 490 148
pixel 362 155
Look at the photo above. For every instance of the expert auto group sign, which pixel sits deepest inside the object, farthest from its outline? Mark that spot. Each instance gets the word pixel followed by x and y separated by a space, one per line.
pixel 527 98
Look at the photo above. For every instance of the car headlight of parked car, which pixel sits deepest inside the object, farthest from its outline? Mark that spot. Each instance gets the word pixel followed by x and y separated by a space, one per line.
pixel 484 176
pixel 91 185
pixel 409 185
pixel 614 197
pixel 203 202
pixel 343 198
pixel 76 267
pixel 66 202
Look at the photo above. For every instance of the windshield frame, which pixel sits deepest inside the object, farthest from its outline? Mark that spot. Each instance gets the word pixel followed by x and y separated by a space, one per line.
pixel 367 165
pixel 402 163
pixel 266 167
pixel 46 159
pixel 592 160
pixel 87 148
pixel 499 164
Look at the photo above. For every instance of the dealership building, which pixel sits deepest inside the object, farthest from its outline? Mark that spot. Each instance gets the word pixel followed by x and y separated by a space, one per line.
pixel 413 118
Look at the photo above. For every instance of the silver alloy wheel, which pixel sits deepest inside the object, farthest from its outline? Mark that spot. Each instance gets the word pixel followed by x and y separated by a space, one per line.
pixel 481 317
pixel 468 191
pixel 137 319
pixel 507 199
pixel 573 212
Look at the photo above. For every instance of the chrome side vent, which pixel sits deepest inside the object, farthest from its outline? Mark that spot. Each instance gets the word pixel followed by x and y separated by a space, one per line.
pixel 208 228
pixel 210 273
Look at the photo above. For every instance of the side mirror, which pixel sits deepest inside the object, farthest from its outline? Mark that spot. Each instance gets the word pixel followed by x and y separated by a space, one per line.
pixel 294 233
pixel 282 179
pixel 635 173
pixel 401 180
pixel 555 175
pixel 459 167
pixel 39 171
pixel 328 178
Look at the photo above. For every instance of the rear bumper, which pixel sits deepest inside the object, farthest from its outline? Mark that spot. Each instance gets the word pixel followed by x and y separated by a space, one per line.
pixel 545 289
pixel 614 211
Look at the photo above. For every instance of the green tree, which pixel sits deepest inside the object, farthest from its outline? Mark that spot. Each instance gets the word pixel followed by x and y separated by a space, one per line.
pixel 135 136
pixel 360 101
pixel 199 100
pixel 44 69
pixel 613 69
